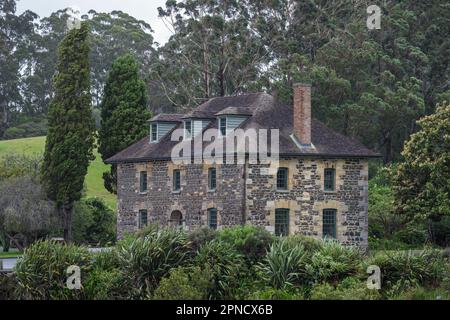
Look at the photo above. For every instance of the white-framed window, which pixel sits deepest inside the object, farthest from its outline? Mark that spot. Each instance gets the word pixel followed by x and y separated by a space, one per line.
pixel 154 132
pixel 187 129
pixel 223 126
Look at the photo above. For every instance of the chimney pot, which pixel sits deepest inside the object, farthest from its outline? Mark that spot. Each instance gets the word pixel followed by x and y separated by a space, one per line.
pixel 302 113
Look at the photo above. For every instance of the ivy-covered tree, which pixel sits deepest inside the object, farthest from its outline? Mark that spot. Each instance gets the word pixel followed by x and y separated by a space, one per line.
pixel 124 113
pixel 421 184
pixel 71 134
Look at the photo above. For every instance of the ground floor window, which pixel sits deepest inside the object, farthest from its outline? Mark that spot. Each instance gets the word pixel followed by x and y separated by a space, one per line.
pixel 143 219
pixel 329 223
pixel 282 222
pixel 176 219
pixel 212 218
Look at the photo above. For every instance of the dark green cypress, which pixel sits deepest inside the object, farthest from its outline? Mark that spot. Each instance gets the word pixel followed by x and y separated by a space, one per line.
pixel 71 133
pixel 124 113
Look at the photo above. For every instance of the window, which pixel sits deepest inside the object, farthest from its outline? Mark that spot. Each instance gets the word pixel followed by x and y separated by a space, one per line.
pixel 143 181
pixel 329 223
pixel 176 180
pixel 188 129
pixel 154 132
pixel 223 126
pixel 142 218
pixel 282 222
pixel 329 179
pixel 282 179
pixel 212 218
pixel 212 178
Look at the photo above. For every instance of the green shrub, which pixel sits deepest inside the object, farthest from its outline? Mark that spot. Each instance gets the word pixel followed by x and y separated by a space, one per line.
pixel 405 269
pixel 284 265
pixel 94 223
pixel 147 259
pixel 8 286
pixel 35 128
pixel 225 265
pixel 276 294
pixel 252 242
pixel 184 283
pixel 109 284
pixel 348 289
pixel 420 293
pixel 333 262
pixel 199 237
pixel 42 271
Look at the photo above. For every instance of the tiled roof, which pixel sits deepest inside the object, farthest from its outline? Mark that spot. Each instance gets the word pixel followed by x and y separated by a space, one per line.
pixel 266 113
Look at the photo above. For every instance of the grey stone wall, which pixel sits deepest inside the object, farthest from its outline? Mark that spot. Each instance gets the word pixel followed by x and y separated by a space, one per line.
pixel 247 194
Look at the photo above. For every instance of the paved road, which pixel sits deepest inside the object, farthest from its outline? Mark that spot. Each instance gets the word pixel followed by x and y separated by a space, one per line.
pixel 8 264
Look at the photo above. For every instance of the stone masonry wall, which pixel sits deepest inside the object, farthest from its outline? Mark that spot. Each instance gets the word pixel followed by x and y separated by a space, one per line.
pixel 305 196
pixel 193 200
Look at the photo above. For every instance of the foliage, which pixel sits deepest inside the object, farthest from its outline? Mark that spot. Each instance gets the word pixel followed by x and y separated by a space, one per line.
pixel 421 183
pixel 124 112
pixel 225 265
pixel 17 165
pixel 35 128
pixel 403 269
pixel 333 262
pixel 106 284
pixel 285 264
pixel 42 271
pixel 252 242
pixel 70 139
pixel 25 213
pixel 184 283
pixel 276 294
pixel 200 237
pixel 348 289
pixel 94 223
pixel 7 286
pixel 420 293
pixel 147 259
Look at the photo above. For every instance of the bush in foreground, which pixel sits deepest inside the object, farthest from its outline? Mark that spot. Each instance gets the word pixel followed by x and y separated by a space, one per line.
pixel 42 271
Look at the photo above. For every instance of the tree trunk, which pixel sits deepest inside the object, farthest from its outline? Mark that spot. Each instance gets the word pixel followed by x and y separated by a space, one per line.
pixel 66 211
pixel 5 242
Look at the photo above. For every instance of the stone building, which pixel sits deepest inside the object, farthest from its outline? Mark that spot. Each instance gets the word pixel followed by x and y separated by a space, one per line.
pixel 319 186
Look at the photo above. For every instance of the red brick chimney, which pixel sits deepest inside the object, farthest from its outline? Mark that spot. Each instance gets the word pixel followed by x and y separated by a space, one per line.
pixel 302 113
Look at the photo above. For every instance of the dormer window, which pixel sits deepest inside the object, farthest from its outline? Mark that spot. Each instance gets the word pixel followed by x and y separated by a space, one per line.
pixel 154 132
pixel 223 126
pixel 187 129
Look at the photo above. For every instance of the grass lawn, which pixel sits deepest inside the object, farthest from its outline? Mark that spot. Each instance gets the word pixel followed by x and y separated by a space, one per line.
pixel 94 180
pixel 6 255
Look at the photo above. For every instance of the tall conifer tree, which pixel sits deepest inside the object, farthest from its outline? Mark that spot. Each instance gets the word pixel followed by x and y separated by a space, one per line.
pixel 71 133
pixel 124 113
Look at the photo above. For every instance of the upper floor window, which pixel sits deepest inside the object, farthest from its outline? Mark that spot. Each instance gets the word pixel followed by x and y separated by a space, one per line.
pixel 282 179
pixel 329 179
pixel 212 218
pixel 143 181
pixel 143 220
pixel 154 132
pixel 176 180
pixel 188 129
pixel 212 178
pixel 223 126
pixel 282 222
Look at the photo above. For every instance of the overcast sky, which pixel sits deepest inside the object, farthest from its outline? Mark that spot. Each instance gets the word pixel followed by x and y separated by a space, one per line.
pixel 141 9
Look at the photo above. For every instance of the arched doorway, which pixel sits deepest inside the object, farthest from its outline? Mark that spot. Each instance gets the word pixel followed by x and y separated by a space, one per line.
pixel 176 219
